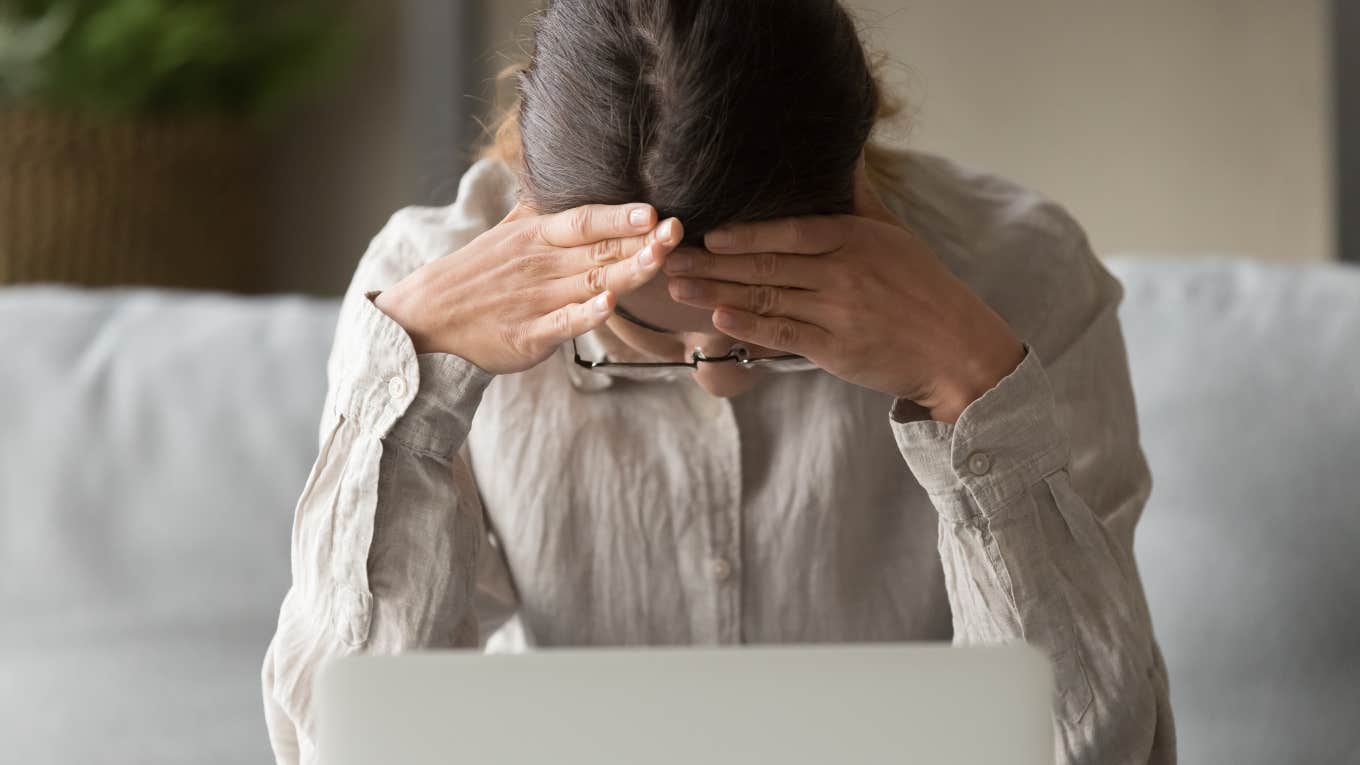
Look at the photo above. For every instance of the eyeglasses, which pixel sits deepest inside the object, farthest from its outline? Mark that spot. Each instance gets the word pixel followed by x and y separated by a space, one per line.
pixel 662 370
pixel 739 354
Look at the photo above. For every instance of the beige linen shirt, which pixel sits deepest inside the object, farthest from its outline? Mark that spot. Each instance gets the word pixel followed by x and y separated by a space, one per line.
pixel 580 509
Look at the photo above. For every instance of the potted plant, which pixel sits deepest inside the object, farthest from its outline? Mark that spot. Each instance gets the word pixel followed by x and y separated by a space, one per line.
pixel 128 133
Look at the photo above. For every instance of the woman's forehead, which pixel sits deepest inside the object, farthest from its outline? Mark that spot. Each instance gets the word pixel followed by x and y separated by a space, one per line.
pixel 653 304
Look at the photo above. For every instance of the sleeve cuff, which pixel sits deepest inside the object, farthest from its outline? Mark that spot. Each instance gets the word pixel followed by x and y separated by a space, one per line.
pixel 440 416
pixel 1003 443
pixel 424 401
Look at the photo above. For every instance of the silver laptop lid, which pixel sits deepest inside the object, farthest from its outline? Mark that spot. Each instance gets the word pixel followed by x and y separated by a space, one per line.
pixel 786 705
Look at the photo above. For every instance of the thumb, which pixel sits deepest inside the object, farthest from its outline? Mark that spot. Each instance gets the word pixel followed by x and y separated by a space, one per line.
pixel 867 202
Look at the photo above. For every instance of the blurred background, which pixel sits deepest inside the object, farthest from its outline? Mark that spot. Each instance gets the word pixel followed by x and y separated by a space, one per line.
pixel 187 185
pixel 1169 127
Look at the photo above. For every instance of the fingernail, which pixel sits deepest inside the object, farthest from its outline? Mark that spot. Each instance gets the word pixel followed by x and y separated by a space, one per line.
pixel 718 239
pixel 726 320
pixel 647 257
pixel 688 288
pixel 639 216
pixel 680 263
pixel 600 303
pixel 667 231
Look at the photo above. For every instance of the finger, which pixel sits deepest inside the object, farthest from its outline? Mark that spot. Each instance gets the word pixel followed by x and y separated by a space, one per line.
pixel 606 251
pixel 620 278
pixel 776 333
pixel 777 269
pixel 571 321
pixel 806 235
pixel 765 300
pixel 591 223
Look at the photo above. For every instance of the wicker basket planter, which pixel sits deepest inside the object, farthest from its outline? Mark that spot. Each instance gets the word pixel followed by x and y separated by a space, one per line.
pixel 102 201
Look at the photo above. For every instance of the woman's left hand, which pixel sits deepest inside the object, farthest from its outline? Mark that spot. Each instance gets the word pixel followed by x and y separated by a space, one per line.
pixel 860 295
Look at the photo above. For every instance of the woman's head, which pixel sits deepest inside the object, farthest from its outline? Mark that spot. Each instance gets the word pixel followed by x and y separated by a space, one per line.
pixel 713 111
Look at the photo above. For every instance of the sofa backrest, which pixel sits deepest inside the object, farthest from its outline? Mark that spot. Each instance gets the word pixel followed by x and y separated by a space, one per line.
pixel 1247 377
pixel 152 444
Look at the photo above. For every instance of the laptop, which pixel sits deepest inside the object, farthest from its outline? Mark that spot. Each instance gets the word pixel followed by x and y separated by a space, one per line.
pixel 868 703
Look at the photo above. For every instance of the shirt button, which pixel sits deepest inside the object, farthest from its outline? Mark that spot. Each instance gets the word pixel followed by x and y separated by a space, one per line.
pixel 720 569
pixel 396 387
pixel 980 463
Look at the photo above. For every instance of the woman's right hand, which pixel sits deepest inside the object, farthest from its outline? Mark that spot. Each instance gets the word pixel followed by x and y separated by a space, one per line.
pixel 509 298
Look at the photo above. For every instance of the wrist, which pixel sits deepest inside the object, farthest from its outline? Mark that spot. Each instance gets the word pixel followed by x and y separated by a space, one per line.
pixel 974 374
pixel 397 305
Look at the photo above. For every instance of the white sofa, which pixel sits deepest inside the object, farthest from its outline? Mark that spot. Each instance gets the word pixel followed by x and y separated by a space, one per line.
pixel 152 444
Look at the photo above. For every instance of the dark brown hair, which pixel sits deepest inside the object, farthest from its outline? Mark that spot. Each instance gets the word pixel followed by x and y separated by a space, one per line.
pixel 713 111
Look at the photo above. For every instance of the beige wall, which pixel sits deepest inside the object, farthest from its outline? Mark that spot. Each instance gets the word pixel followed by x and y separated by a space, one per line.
pixel 505 24
pixel 1164 125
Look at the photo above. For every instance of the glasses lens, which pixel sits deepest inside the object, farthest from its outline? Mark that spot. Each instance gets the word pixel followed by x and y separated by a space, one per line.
pixel 666 370
pixel 797 364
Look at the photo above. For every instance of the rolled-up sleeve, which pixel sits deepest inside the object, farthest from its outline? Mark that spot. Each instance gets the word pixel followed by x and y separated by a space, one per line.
pixel 1038 486
pixel 389 541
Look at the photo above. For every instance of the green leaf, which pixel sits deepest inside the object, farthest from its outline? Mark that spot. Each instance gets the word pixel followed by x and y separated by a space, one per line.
pixel 245 57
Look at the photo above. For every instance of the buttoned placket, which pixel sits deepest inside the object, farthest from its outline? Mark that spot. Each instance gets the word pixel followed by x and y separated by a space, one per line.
pixel 719 560
pixel 723 517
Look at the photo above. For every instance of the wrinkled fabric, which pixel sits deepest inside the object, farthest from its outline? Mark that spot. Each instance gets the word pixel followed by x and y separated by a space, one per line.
pixel 449 508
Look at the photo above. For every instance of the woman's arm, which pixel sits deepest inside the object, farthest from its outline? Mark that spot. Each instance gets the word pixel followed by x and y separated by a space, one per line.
pixel 1038 486
pixel 388 536
pixel 1028 450
pixel 390 545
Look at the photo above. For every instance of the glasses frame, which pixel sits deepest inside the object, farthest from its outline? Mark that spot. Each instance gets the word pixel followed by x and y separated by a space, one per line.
pixel 739 355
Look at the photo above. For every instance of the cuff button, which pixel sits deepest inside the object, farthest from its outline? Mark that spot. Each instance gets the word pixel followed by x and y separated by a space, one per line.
pixel 396 387
pixel 980 463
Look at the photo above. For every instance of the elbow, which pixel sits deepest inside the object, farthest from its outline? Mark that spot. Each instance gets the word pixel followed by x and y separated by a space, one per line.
pixel 1124 718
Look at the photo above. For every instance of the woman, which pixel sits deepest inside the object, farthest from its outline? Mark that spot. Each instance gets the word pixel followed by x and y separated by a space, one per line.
pixel 937 438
